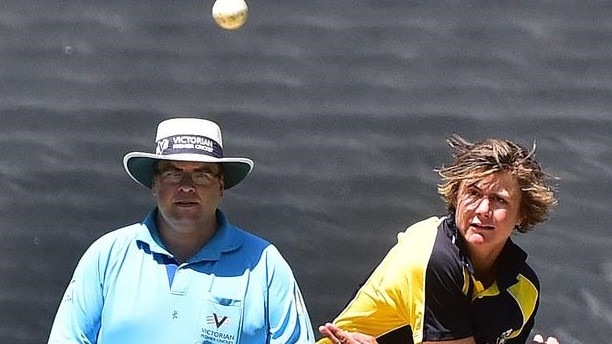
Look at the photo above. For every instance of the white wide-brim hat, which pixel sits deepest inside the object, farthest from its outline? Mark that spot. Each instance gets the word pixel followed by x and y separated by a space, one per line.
pixel 186 139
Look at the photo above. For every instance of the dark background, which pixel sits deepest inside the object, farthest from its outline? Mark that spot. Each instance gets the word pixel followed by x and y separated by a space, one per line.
pixel 343 105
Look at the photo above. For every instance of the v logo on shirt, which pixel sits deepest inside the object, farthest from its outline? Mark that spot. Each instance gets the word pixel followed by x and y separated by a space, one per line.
pixel 219 322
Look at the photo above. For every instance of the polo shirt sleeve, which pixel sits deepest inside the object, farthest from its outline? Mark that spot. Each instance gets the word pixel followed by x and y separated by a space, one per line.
pixel 78 317
pixel 288 318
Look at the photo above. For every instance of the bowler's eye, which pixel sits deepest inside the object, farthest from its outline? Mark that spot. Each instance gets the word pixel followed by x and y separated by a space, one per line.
pixel 473 192
pixel 500 200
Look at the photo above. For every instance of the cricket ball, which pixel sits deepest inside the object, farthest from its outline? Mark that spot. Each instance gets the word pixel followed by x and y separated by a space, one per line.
pixel 230 14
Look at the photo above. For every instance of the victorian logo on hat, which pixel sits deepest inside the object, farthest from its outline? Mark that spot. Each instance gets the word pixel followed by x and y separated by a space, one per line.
pixel 186 139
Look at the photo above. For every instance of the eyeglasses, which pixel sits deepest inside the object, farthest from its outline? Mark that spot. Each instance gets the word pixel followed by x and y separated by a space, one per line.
pixel 200 178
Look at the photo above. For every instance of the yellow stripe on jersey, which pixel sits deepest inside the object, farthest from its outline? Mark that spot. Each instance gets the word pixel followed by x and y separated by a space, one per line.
pixel 526 295
pixel 481 291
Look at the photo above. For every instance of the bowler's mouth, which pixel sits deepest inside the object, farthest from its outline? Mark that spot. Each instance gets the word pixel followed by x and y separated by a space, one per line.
pixel 483 227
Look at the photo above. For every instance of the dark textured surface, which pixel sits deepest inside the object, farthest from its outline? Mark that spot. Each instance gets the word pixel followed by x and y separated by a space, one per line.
pixel 343 105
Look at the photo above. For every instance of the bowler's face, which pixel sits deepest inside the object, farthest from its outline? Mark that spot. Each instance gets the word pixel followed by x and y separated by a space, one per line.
pixel 488 209
pixel 187 193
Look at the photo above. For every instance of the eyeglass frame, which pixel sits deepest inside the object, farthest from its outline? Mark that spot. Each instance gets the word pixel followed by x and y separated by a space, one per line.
pixel 166 177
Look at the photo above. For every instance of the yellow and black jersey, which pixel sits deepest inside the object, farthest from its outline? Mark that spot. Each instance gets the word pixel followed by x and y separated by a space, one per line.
pixel 425 290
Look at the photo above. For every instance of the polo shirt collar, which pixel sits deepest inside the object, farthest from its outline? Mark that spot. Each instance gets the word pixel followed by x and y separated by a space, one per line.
pixel 225 239
pixel 510 261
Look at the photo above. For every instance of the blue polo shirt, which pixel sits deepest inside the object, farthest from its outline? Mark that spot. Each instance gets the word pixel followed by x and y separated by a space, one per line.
pixel 128 289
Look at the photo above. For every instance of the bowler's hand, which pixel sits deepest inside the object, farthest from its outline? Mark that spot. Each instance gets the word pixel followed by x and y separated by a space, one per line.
pixel 538 338
pixel 340 336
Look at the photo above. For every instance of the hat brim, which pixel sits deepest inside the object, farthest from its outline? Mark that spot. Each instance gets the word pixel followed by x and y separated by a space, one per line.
pixel 139 166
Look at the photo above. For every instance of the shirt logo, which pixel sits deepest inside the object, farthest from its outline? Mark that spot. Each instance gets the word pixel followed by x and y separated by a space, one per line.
pixel 504 337
pixel 217 320
pixel 220 324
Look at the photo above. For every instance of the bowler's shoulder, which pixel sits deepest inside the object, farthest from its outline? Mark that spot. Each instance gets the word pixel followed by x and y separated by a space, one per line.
pixel 428 223
pixel 426 227
pixel 514 259
pixel 527 272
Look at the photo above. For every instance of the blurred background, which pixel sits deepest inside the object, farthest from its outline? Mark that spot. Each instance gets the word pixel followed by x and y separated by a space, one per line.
pixel 344 106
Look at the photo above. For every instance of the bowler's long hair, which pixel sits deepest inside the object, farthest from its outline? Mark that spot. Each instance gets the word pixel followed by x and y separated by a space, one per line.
pixel 477 160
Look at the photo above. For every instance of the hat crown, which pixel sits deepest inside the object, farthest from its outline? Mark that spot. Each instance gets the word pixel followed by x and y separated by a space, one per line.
pixel 186 139
pixel 189 126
